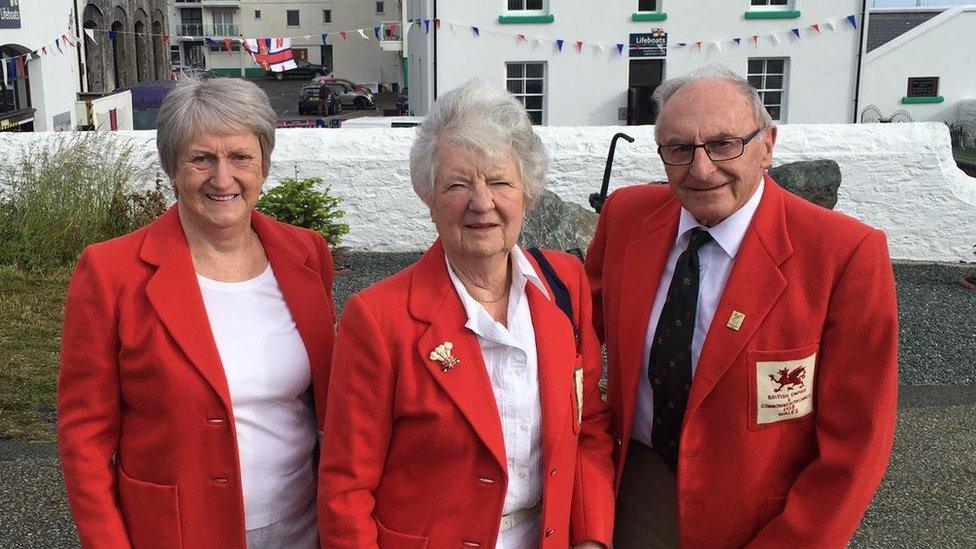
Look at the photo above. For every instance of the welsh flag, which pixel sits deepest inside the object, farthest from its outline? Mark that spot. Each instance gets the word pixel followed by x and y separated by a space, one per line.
pixel 273 54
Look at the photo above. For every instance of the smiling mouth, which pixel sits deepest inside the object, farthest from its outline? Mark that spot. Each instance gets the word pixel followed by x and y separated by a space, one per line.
pixel 715 188
pixel 222 197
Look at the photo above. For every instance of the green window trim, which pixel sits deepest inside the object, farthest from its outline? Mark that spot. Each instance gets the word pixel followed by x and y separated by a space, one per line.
pixel 920 100
pixel 773 14
pixel 525 19
pixel 646 16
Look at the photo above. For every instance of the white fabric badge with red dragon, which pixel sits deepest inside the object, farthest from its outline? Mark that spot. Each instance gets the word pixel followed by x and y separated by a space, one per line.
pixel 784 389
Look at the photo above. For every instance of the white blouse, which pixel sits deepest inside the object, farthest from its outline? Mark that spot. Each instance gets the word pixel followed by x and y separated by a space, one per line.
pixel 510 357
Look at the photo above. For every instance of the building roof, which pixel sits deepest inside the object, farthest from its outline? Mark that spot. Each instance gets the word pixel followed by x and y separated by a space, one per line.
pixel 886 25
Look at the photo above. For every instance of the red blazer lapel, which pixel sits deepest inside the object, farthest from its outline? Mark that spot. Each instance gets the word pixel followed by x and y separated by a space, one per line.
pixel 304 292
pixel 175 294
pixel 434 301
pixel 754 285
pixel 556 354
pixel 647 254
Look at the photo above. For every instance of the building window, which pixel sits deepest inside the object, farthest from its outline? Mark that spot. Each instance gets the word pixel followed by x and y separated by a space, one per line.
pixel 526 5
pixel 224 23
pixel 174 55
pixel 379 8
pixel 769 77
pixel 326 16
pixel 292 18
pixel 772 4
pixel 526 81
pixel 927 86
pixel 257 14
pixel 647 5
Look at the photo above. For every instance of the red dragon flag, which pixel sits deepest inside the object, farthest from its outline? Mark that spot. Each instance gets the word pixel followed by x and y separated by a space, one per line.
pixel 272 54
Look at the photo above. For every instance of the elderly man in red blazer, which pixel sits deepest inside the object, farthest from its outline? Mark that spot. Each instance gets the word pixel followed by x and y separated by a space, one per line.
pixel 752 340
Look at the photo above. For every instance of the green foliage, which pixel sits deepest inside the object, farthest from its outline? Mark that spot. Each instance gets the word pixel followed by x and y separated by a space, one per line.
pixel 60 196
pixel 296 201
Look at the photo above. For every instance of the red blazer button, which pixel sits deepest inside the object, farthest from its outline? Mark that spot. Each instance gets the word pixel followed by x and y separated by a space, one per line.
pixel 549 532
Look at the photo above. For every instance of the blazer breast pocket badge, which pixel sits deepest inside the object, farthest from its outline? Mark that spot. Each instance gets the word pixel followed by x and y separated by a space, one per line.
pixel 784 389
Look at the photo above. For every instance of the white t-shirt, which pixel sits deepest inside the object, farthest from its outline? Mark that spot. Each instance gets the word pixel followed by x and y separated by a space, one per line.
pixel 269 375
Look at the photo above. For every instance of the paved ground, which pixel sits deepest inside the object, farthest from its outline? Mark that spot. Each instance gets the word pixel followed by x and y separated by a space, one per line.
pixel 927 499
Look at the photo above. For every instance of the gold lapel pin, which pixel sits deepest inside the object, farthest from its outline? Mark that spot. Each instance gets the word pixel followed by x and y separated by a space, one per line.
pixel 442 354
pixel 735 321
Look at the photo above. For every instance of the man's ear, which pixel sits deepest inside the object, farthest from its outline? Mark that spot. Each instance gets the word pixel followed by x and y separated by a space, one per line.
pixel 768 143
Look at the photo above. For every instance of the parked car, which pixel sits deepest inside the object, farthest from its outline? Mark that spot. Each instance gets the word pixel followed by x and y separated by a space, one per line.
pixel 402 103
pixel 350 97
pixel 303 69
pixel 309 100
pixel 336 80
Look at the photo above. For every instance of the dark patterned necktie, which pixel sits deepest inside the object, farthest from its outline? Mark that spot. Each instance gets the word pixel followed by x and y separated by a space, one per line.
pixel 669 365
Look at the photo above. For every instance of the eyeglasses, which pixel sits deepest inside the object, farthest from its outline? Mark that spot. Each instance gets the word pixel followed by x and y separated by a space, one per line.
pixel 719 150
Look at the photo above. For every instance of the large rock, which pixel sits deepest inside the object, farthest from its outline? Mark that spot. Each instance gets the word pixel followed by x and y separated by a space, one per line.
pixel 558 225
pixel 814 180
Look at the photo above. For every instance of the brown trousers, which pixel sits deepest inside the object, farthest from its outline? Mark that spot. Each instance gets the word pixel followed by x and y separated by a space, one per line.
pixel 647 503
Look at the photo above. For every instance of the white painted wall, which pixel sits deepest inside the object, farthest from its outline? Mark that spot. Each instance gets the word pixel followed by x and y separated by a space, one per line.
pixel 362 60
pixel 589 88
pixel 53 78
pixel 942 46
pixel 898 177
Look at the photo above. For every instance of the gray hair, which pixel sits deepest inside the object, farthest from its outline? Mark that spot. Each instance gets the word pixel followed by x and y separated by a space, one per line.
pixel 669 87
pixel 215 105
pixel 483 118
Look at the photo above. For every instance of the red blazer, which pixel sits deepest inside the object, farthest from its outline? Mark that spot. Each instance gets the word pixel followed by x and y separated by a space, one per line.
pixel 413 457
pixel 145 424
pixel 816 288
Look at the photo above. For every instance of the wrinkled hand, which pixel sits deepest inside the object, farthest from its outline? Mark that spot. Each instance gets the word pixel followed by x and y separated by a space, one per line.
pixel 590 545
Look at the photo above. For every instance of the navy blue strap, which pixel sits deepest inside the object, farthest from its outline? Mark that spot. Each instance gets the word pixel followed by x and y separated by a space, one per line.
pixel 563 300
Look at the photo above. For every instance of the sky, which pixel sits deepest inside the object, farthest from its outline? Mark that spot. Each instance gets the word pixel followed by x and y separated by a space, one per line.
pixel 912 3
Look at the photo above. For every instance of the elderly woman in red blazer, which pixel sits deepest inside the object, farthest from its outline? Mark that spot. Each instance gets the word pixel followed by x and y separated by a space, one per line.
pixel 463 410
pixel 196 351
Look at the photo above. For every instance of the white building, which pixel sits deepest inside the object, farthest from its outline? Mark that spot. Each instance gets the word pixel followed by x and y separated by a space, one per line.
pixel 920 62
pixel 199 29
pixel 40 94
pixel 809 78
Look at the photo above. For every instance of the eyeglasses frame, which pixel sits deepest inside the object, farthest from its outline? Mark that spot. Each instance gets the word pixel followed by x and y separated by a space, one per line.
pixel 745 141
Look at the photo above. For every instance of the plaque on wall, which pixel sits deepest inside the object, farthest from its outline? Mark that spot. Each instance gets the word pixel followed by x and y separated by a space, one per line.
pixel 9 14
pixel 925 86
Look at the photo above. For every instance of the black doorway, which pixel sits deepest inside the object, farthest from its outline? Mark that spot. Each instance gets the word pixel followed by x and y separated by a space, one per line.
pixel 645 76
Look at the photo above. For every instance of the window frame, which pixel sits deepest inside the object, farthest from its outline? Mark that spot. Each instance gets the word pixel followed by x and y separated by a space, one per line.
pixel 327 17
pixel 298 18
pixel 783 90
pixel 790 5
pixel 544 110
pixel 257 15
pixel 380 7
pixel 544 10
pixel 657 7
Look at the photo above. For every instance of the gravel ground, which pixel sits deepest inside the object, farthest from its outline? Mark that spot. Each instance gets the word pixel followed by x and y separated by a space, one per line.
pixel 926 499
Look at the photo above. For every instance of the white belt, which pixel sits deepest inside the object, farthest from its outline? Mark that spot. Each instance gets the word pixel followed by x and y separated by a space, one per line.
pixel 515 518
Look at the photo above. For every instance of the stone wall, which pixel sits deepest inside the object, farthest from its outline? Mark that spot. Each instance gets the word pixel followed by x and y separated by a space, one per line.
pixel 898 177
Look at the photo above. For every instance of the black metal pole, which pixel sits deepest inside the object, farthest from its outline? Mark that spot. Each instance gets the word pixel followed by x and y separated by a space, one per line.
pixel 597 199
pixel 860 57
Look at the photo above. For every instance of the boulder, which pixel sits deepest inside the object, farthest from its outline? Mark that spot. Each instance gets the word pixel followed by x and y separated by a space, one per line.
pixel 558 225
pixel 814 180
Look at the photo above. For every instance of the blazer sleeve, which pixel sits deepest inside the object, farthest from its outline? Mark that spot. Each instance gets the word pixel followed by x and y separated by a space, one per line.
pixel 594 268
pixel 856 399
pixel 358 426
pixel 591 517
pixel 88 404
pixel 326 270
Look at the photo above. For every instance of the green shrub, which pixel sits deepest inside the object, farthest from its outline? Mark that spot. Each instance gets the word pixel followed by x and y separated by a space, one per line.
pixel 62 195
pixel 296 201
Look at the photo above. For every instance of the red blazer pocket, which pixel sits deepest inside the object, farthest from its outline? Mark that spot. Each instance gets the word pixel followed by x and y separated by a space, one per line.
pixel 391 539
pixel 151 512
pixel 781 385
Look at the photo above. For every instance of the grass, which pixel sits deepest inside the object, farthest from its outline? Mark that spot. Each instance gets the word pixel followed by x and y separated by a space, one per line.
pixel 31 310
pixel 964 155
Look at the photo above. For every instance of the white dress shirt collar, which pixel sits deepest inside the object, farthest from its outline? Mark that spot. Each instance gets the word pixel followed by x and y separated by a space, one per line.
pixel 728 234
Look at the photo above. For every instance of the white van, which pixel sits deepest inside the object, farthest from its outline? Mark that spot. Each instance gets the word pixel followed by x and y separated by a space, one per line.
pixel 383 122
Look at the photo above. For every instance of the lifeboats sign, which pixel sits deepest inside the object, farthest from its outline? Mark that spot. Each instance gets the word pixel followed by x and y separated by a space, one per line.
pixel 651 44
pixel 9 14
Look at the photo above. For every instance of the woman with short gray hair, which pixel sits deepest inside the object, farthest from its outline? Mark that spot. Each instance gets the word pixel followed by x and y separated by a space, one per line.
pixel 464 409
pixel 196 350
